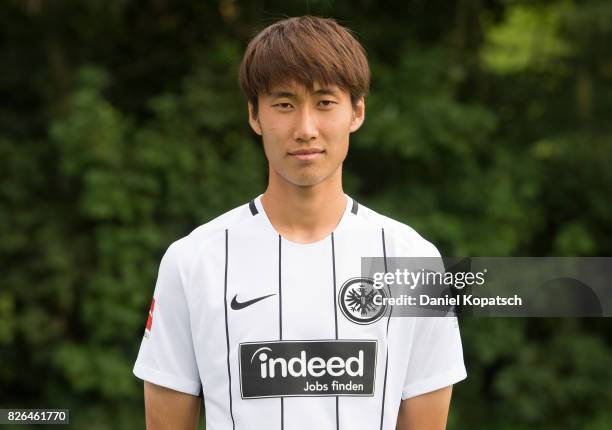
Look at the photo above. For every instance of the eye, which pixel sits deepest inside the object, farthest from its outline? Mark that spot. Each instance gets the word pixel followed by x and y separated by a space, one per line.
pixel 283 106
pixel 326 103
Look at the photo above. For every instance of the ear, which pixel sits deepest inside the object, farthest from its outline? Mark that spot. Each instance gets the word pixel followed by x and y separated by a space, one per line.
pixel 253 119
pixel 358 115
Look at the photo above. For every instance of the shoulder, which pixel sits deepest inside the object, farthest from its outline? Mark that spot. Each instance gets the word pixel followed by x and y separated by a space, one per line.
pixel 404 239
pixel 185 250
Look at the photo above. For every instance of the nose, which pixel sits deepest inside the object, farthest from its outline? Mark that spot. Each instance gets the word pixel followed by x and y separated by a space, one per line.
pixel 306 125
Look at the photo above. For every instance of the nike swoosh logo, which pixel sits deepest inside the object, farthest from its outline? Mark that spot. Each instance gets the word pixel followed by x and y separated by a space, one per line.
pixel 241 305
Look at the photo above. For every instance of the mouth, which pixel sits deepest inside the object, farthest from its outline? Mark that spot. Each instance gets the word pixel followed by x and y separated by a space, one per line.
pixel 307 154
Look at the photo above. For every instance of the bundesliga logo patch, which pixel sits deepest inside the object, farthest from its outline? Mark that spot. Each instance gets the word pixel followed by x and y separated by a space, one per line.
pixel 150 319
pixel 307 368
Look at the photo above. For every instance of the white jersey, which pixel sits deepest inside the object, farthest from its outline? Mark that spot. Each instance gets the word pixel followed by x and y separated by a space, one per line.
pixel 264 328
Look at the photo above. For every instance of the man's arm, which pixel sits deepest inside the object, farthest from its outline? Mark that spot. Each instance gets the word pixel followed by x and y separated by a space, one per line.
pixel 428 411
pixel 169 409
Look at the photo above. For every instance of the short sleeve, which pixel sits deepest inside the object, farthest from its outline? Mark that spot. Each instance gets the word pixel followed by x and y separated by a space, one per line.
pixel 436 356
pixel 166 355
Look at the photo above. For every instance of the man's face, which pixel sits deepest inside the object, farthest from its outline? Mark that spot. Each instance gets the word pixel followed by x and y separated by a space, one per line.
pixel 306 132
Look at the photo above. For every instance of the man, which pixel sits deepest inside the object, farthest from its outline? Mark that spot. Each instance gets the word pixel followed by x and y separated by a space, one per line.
pixel 253 309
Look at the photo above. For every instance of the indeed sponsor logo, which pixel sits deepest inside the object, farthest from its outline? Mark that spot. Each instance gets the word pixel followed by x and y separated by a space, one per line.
pixel 307 368
pixel 303 366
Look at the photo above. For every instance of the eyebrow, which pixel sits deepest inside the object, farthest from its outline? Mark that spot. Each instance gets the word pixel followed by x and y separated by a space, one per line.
pixel 290 95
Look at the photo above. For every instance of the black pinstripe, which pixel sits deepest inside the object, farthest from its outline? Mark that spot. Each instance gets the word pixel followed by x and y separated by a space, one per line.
pixel 280 320
pixel 335 318
pixel 382 408
pixel 229 372
pixel 253 208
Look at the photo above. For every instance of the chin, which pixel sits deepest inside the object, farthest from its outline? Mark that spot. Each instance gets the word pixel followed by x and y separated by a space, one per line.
pixel 305 177
pixel 305 180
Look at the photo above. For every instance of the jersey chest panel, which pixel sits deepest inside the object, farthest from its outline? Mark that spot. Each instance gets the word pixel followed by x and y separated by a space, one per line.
pixel 278 291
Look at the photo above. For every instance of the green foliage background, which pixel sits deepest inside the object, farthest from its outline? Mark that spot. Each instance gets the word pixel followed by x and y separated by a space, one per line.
pixel 122 128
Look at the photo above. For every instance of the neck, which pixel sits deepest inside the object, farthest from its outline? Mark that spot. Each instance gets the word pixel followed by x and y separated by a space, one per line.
pixel 304 214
